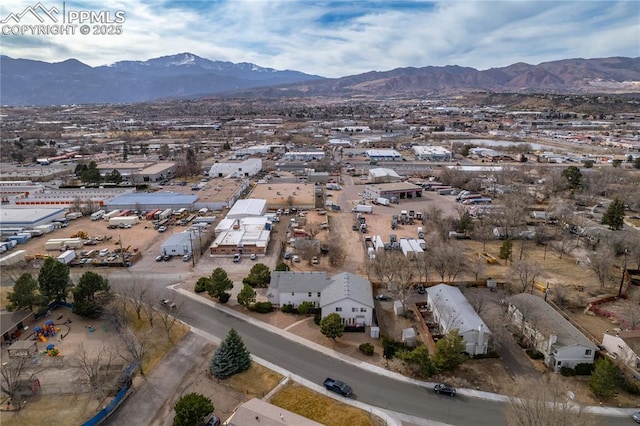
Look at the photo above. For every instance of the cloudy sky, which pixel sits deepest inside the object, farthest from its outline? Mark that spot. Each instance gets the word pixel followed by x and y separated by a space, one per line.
pixel 337 38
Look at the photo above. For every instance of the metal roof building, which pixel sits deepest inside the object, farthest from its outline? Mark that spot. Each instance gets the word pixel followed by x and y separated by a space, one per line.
pixel 29 217
pixel 247 207
pixel 149 201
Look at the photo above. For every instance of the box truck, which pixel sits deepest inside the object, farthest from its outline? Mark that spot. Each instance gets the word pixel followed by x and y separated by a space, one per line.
pixel 67 257
pixel 362 208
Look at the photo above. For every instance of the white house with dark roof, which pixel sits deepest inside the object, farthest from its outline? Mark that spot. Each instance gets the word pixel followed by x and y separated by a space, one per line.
pixel 350 296
pixel 346 294
pixel 451 310
pixel 562 344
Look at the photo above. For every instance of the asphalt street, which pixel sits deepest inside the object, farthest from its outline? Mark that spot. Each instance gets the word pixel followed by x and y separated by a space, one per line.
pixel 402 396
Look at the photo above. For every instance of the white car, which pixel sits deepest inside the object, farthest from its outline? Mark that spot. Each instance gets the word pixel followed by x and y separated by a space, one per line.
pixel 295 258
pixel 253 256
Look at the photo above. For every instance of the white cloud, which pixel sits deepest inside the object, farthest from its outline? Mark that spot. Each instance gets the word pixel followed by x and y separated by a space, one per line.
pixel 361 36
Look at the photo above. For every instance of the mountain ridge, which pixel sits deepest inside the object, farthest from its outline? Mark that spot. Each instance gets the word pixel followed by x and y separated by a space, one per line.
pixel 31 82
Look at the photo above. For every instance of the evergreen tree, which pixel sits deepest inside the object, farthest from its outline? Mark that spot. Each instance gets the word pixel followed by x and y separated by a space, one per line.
pixel 54 279
pixel 332 326
pixel 259 276
pixel 24 293
pixel 192 409
pixel 231 357
pixel 246 296
pixel 219 283
pixel 505 250
pixel 604 378
pixel 90 294
pixel 449 352
pixel 614 216
pixel 573 175
pixel 282 267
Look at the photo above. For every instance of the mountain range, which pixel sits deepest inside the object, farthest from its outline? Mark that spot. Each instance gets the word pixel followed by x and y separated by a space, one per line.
pixel 30 82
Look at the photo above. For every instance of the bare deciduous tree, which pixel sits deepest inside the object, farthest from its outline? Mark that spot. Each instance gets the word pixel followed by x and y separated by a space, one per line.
pixel 546 402
pixel 523 274
pixel 478 300
pixel 483 231
pixel 170 317
pixel 136 344
pixel 383 267
pixel 600 263
pixel 448 259
pixel 17 374
pixel 95 367
pixel 336 249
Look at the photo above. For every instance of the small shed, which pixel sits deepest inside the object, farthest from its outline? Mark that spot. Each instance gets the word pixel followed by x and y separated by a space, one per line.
pixel 398 308
pixel 23 349
pixel 409 336
pixel 375 332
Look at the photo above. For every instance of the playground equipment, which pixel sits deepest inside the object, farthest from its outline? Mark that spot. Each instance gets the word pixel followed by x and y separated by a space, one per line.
pixel 49 330
pixel 52 350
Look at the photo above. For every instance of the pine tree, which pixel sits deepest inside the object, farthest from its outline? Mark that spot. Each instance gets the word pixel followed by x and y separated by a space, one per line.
pixel 614 216
pixel 231 357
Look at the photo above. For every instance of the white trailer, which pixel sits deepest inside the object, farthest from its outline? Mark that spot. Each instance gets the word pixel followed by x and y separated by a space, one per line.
pixel 67 257
pixel 57 243
pixel 383 201
pixel 124 220
pixel 112 213
pixel 44 228
pixel 13 258
pixel 166 214
pixel 73 215
pixel 406 248
pixel 362 208
pixel 97 215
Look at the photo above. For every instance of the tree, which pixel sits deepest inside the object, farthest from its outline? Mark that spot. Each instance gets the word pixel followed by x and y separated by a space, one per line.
pixel 421 359
pixel 259 276
pixel 96 368
pixel 449 353
pixel 282 267
pixel 54 279
pixel 24 293
pixel 90 294
pixel 231 357
pixel 614 216
pixel 573 175
pixel 505 250
pixel 247 296
pixel 17 372
pixel 524 273
pixel 544 402
pixel 332 326
pixel 600 263
pixel 604 379
pixel 192 409
pixel 219 283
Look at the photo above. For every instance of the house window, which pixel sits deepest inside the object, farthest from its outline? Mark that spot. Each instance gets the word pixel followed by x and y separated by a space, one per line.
pixel 309 294
pixel 363 309
pixel 338 309
pixel 587 352
pixel 559 363
pixel 354 309
pixel 293 293
pixel 318 294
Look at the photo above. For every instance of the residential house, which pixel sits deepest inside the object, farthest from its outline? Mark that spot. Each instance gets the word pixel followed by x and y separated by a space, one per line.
pixel 350 296
pixel 452 311
pixel 625 347
pixel 561 343
pixel 346 294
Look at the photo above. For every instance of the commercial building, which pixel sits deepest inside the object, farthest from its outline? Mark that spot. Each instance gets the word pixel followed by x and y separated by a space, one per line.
pixel 178 244
pixel 29 217
pixel 397 190
pixel 303 155
pixel 140 172
pixel 383 155
pixel 431 153
pixel 247 208
pixel 382 175
pixel 249 235
pixel 246 168
pixel 148 201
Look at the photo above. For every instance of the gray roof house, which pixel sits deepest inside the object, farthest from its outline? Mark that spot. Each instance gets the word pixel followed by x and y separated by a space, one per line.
pixel 347 294
pixel 350 296
pixel 453 311
pixel 562 344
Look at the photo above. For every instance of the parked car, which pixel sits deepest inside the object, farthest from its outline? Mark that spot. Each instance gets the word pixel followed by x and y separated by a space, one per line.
pixel 212 421
pixel 382 297
pixel 287 256
pixel 253 256
pixel 421 289
pixel 445 388
pixel 186 258
pixel 315 260
pixel 237 257
pixel 636 417
pixel 162 229
pixel 296 258
pixel 159 258
pixel 166 258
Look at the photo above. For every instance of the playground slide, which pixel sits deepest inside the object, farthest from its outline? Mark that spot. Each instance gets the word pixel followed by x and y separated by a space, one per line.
pixel 42 338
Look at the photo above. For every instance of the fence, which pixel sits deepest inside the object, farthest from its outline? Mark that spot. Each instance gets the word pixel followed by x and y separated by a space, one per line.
pixel 115 403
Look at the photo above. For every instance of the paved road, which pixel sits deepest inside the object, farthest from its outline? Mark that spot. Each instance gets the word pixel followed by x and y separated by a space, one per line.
pixel 378 390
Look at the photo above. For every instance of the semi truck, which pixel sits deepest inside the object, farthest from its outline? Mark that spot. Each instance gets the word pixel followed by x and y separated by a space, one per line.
pixel 362 208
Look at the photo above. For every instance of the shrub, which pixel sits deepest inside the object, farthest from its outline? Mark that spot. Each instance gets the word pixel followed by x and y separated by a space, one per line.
pixel 567 371
pixel 389 347
pixel 201 285
pixel 287 309
pixel 305 307
pixel 630 387
pixel 263 307
pixel 224 297
pixel 534 354
pixel 366 348
pixel 584 369
pixel 317 317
